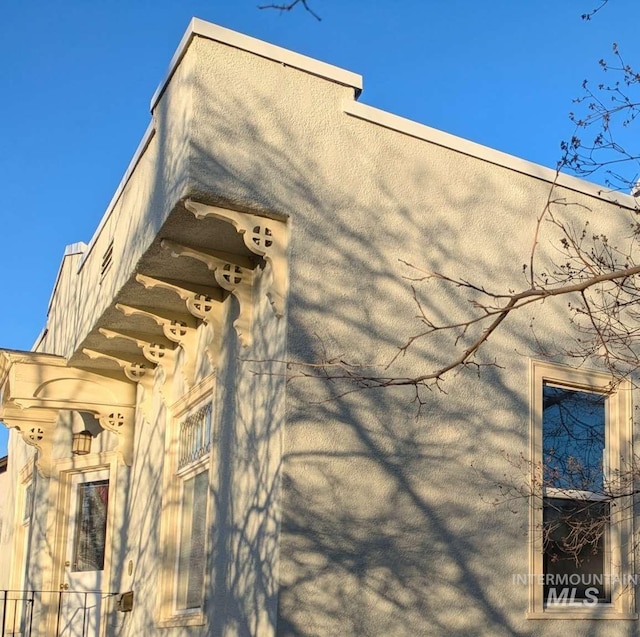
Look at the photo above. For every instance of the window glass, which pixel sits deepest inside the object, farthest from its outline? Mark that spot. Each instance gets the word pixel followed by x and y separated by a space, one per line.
pixel 575 520
pixel 191 556
pixel 91 526
pixel 582 539
pixel 28 503
pixel 575 537
pixel 573 438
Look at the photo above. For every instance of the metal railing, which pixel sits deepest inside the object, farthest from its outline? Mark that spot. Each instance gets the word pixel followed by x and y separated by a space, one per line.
pixel 63 613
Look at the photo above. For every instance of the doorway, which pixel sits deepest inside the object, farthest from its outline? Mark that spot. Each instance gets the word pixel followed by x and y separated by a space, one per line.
pixel 83 582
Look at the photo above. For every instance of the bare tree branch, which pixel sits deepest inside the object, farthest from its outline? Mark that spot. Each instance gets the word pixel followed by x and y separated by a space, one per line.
pixel 291 5
pixel 590 14
pixel 607 110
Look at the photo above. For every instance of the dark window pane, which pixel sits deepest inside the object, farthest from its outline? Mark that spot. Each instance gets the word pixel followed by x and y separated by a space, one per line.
pixel 575 536
pixel 91 526
pixel 573 433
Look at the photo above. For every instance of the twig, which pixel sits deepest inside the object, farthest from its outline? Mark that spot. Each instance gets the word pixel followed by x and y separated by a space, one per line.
pixel 289 6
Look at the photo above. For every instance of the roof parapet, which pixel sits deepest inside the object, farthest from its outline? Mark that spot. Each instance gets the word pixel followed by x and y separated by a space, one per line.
pixel 485 153
pixel 263 49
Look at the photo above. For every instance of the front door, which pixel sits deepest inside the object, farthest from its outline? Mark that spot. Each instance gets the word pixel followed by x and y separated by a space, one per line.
pixel 82 598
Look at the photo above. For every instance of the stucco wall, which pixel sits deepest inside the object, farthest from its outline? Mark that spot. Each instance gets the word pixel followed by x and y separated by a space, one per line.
pixel 241 581
pixel 388 526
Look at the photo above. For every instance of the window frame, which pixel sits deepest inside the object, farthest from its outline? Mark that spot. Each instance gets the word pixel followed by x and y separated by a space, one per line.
pixel 175 476
pixel 618 454
pixel 191 471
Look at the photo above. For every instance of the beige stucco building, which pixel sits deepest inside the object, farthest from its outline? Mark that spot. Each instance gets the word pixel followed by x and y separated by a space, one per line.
pixel 173 436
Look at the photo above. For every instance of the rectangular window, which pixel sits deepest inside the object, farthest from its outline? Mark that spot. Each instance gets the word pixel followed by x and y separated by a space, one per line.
pixel 90 526
pixel 191 552
pixel 194 445
pixel 581 505
pixel 28 502
pixel 186 517
pixel 575 508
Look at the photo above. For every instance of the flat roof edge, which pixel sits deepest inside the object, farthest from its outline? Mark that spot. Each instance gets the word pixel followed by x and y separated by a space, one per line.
pixel 198 27
pixel 133 163
pixel 473 149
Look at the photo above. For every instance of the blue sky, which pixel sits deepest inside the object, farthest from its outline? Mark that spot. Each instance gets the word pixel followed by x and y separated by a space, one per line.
pixel 77 78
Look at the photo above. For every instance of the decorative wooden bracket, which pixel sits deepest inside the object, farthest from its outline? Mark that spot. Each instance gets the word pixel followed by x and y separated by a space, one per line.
pixel 181 331
pixel 159 352
pixel 36 386
pixel 265 237
pixel 133 370
pixel 118 422
pixel 204 304
pixel 37 427
pixel 237 279
pixel 156 352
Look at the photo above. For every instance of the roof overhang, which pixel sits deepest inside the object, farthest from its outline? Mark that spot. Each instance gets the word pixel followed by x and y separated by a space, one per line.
pixel 202 256
pixel 35 387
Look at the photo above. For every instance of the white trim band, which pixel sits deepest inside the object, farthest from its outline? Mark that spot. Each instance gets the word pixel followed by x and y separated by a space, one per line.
pixel 472 149
pixel 279 54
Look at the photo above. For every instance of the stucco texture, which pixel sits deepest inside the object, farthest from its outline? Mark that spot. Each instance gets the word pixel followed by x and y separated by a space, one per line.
pixel 388 526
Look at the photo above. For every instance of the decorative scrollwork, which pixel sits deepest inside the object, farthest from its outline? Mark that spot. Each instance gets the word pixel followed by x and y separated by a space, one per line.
pixel 262 236
pixel 155 352
pixel 35 434
pixel 114 420
pixel 203 304
pixel 231 275
pixel 265 237
pixel 176 331
pixel 135 371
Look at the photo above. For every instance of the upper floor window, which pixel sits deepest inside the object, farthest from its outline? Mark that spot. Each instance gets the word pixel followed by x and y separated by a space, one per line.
pixel 581 503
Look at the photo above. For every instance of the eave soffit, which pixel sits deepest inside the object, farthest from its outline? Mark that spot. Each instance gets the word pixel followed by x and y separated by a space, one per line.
pixel 202 255
pixel 100 377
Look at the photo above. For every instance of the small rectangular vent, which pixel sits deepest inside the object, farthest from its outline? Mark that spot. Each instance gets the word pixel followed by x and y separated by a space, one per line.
pixel 107 259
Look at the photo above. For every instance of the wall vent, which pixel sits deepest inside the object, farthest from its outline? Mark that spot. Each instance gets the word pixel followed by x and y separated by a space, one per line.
pixel 107 259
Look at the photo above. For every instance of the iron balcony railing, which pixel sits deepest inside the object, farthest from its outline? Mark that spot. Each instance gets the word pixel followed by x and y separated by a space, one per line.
pixel 63 613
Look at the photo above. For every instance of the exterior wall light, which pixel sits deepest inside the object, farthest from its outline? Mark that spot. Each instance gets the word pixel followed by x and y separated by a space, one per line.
pixel 81 443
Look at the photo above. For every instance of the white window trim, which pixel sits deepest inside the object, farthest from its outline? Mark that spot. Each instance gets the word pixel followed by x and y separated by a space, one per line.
pixel 173 479
pixel 618 454
pixel 202 465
